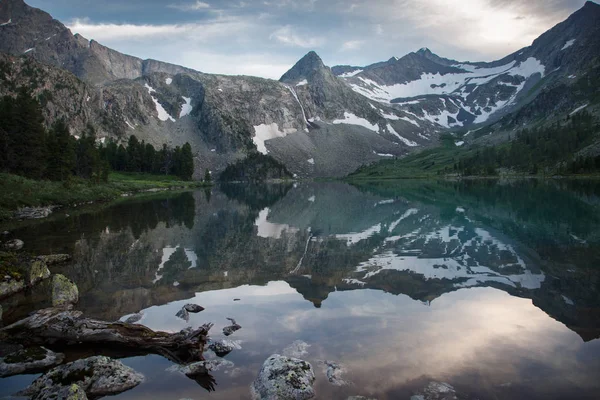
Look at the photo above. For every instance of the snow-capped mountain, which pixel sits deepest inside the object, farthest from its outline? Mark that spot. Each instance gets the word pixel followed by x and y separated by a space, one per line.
pixel 316 120
pixel 452 94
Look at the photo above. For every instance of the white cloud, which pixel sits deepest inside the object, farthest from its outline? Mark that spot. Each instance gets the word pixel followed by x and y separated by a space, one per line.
pixel 202 31
pixel 352 45
pixel 287 36
pixel 197 6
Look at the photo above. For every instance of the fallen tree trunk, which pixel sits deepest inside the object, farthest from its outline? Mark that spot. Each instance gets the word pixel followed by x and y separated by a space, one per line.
pixel 58 327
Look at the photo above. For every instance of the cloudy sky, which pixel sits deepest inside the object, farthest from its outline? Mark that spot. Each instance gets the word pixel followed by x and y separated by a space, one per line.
pixel 266 37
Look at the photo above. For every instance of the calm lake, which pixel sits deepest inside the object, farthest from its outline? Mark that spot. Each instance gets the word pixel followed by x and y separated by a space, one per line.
pixel 492 287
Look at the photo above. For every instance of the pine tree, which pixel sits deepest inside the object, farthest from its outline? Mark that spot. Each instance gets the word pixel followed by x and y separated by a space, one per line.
pixel 28 137
pixel 60 152
pixel 187 162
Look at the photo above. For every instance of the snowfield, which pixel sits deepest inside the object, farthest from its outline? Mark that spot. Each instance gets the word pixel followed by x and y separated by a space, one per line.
pixel 266 132
pixel 351 119
pixel 163 115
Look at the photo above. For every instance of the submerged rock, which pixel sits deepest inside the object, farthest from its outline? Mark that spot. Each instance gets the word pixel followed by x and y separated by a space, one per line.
pixel 229 330
pixel 437 391
pixel 97 376
pixel 223 347
pixel 296 349
pixel 28 361
pixel 334 373
pixel 133 318
pixel 33 212
pixel 183 314
pixel 284 378
pixel 14 244
pixel 201 367
pixel 53 259
pixel 64 292
pixel 193 308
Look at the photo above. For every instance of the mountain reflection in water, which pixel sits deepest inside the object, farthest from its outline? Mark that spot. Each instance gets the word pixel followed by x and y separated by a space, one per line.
pixel 491 286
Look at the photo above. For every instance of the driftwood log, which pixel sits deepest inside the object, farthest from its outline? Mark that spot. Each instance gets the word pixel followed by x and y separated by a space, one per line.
pixel 54 327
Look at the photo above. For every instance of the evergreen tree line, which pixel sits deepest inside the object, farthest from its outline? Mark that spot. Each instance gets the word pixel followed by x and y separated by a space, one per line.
pixel 27 148
pixel 531 150
pixel 143 157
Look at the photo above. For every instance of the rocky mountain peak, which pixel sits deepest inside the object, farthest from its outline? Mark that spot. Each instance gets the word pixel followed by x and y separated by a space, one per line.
pixel 306 68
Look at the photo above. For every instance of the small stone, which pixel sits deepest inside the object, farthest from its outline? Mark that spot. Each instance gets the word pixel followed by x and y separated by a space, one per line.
pixel 37 271
pixel 223 347
pixel 229 330
pixel 236 299
pixel 193 308
pixel 64 292
pixel 284 378
pixel 133 318
pixel 334 373
pixel 6 233
pixel 14 244
pixel 33 212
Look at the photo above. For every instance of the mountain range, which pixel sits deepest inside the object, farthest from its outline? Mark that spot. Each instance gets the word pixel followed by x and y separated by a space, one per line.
pixel 318 121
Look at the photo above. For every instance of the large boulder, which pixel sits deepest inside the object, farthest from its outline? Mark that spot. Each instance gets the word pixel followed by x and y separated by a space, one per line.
pixel 97 376
pixel 64 292
pixel 284 378
pixel 10 285
pixel 29 361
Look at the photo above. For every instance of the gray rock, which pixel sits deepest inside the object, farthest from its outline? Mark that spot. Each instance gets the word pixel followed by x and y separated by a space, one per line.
pixel 193 308
pixel 284 378
pixel 437 391
pixel 223 347
pixel 71 392
pixel 201 367
pixel 28 361
pixel 229 330
pixel 64 292
pixel 97 376
pixel 10 286
pixel 33 212
pixel 183 314
pixel 133 318
pixel 14 244
pixel 6 233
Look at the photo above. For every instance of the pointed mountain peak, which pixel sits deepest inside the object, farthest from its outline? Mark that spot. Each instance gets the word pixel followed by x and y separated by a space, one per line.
pixel 591 4
pixel 424 50
pixel 304 69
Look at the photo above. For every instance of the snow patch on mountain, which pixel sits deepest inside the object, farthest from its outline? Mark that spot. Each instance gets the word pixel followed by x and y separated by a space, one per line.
pixel 163 115
pixel 302 83
pixel 6 23
pixel 187 107
pixel 351 119
pixel 353 238
pixel 168 81
pixel 575 111
pixel 568 44
pixel 404 140
pixel 266 132
pixel 351 74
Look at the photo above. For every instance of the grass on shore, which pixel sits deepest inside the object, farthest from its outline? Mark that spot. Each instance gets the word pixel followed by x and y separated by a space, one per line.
pixel 20 192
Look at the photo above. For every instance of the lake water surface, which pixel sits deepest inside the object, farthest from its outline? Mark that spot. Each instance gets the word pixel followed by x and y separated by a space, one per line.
pixel 492 287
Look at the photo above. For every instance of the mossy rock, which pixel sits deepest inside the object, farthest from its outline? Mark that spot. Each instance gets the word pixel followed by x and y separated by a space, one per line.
pixel 64 291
